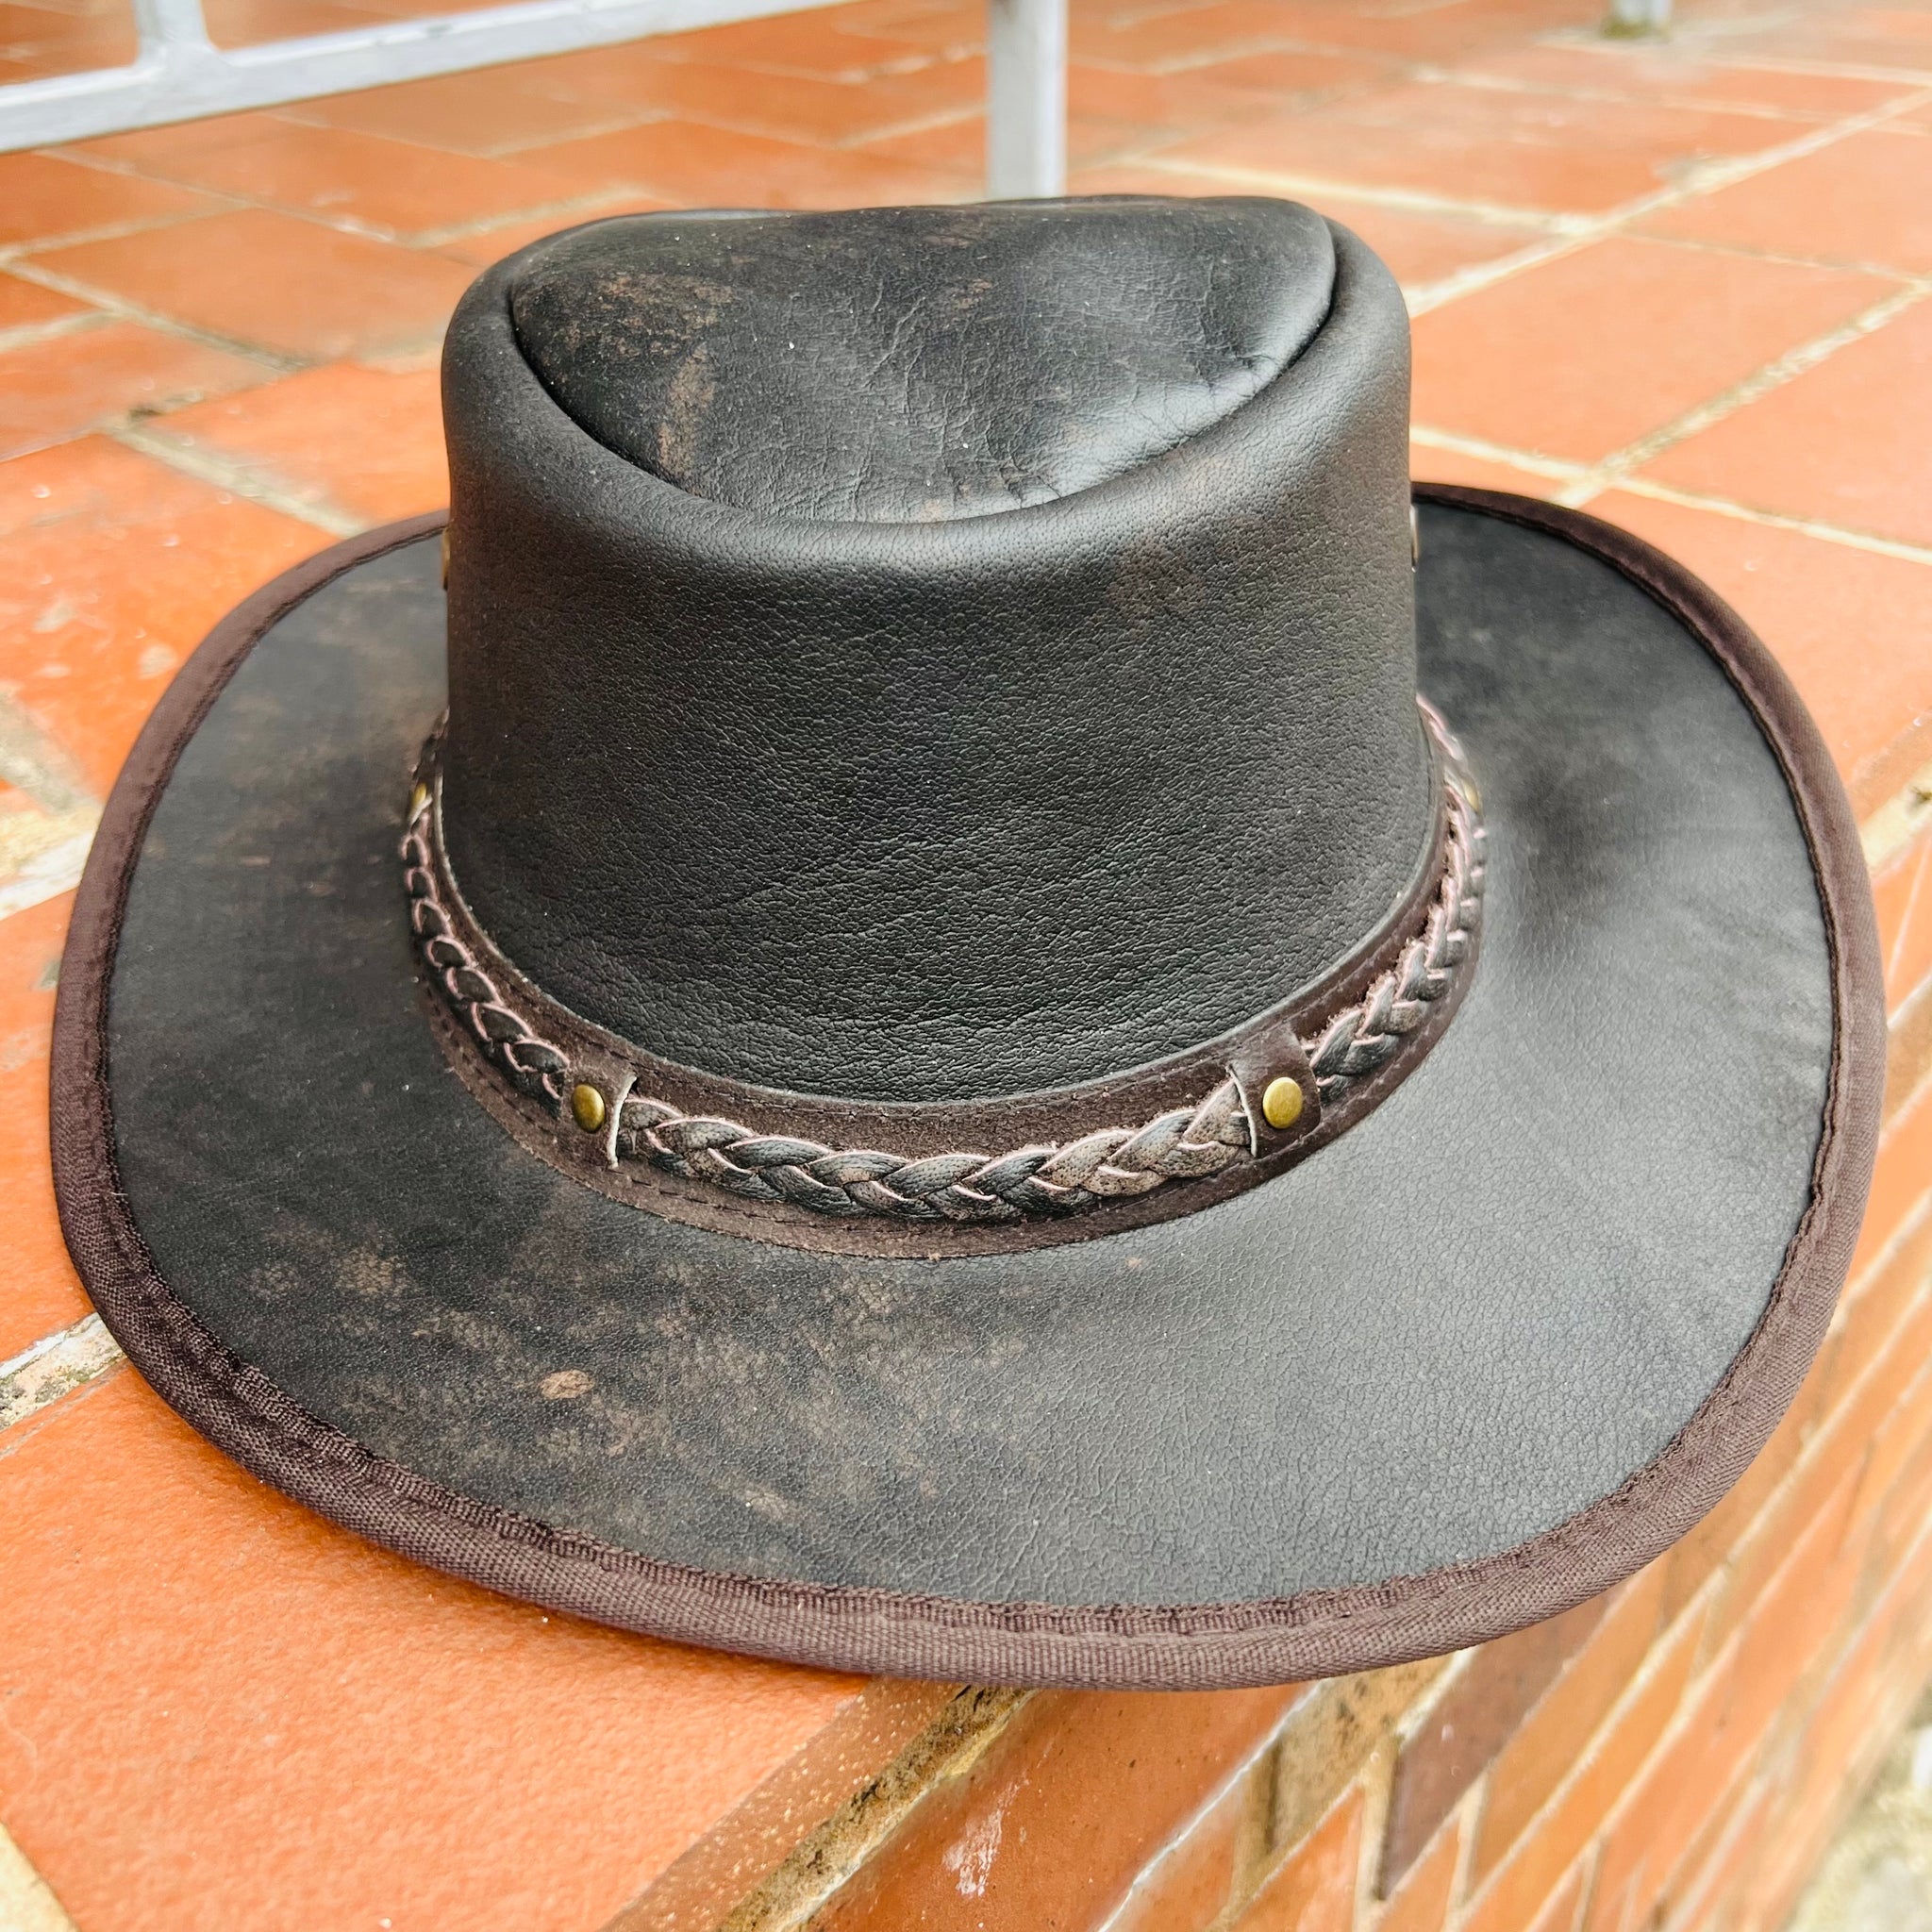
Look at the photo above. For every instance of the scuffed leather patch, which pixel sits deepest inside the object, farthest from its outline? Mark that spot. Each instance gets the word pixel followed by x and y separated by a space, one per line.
pixel 918 364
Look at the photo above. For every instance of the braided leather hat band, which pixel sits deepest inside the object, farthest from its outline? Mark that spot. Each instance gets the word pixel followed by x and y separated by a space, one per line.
pixel 1237 1110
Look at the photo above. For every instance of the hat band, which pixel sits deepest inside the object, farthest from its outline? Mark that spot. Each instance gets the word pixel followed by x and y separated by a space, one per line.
pixel 1156 1141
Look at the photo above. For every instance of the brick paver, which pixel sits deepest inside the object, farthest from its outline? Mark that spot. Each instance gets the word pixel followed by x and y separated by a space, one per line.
pixel 1683 283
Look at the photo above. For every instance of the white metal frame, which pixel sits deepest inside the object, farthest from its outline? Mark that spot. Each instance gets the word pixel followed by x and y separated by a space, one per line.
pixel 1025 98
pixel 179 73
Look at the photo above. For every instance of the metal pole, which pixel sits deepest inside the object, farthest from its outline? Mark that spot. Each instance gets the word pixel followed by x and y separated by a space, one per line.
pixel 1025 98
pixel 168 24
pixel 1634 19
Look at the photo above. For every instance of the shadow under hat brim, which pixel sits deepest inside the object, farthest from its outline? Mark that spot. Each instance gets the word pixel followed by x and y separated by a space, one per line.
pixel 1491 1351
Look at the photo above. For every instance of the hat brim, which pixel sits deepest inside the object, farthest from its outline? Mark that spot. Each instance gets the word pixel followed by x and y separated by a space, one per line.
pixel 1494 1348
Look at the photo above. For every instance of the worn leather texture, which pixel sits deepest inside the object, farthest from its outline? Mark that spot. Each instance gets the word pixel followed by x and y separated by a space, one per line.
pixel 1479 1311
pixel 901 364
pixel 959 807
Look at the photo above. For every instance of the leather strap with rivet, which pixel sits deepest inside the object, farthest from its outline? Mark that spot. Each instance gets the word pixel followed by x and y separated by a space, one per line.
pixel 825 1172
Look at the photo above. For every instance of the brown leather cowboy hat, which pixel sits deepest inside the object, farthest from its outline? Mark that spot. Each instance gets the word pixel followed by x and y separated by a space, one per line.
pixel 940 1068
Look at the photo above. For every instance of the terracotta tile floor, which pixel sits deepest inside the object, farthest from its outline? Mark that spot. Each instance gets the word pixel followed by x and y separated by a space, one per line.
pixel 1686 284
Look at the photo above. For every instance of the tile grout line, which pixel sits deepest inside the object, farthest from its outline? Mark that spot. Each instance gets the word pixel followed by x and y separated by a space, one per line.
pixel 21 258
pixel 1566 233
pixel 290 113
pixel 1507 83
pixel 36 765
pixel 12 253
pixel 1706 178
pixel 119 231
pixel 1792 63
pixel 515 150
pixel 1417 200
pixel 31 335
pixel 238 477
pixel 273 361
pixel 584 204
pixel 1743 251
pixel 939 117
pixel 55 1367
pixel 1484 274
pixel 1776 519
pixel 1772 376
pixel 1227 53
pixel 1557 469
pixel 1843 70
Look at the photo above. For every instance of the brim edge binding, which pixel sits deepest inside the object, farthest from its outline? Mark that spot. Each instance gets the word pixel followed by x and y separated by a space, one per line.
pixel 1202 1646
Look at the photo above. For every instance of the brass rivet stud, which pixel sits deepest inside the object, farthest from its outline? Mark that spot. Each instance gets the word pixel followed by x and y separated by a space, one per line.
pixel 586 1107
pixel 418 799
pixel 1281 1103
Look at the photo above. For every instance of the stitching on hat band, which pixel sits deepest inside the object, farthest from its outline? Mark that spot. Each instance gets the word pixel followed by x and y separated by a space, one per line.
pixel 1211 1135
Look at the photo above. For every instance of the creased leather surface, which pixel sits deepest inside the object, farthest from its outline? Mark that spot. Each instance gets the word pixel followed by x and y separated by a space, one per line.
pixel 1474 1315
pixel 898 364
pixel 942 810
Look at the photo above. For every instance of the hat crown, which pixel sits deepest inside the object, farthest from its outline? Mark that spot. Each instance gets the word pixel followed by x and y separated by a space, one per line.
pixel 933 654
pixel 907 364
